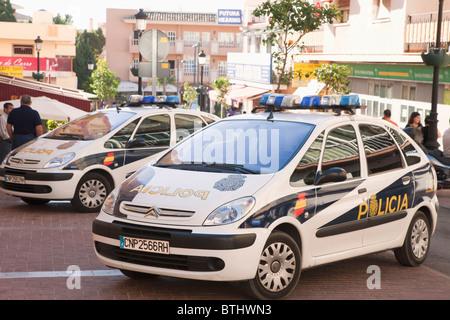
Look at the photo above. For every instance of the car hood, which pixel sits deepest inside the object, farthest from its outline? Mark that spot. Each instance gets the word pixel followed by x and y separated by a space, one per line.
pixel 37 153
pixel 182 197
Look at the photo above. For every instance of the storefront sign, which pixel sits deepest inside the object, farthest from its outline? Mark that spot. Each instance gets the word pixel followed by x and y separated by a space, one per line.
pixel 229 16
pixel 303 72
pixel 16 72
pixel 45 64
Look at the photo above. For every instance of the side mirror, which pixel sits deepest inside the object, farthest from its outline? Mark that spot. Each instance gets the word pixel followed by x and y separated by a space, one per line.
pixel 331 175
pixel 136 143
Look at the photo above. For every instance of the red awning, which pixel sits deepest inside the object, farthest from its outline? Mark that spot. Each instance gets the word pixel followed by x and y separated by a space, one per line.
pixel 238 93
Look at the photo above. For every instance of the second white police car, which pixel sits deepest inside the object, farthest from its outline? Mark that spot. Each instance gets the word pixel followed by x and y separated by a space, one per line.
pixel 257 198
pixel 85 159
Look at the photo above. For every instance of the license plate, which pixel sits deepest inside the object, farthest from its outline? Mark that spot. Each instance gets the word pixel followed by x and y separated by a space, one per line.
pixel 15 179
pixel 146 245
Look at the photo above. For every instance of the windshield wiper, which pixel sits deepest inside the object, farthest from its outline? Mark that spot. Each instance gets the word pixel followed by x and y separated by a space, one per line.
pixel 220 166
pixel 73 136
pixel 230 166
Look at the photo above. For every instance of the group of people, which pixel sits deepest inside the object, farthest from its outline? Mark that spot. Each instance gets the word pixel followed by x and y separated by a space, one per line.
pixel 18 126
pixel 414 121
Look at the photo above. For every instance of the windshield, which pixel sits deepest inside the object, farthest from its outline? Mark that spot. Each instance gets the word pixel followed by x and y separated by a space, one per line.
pixel 92 126
pixel 242 146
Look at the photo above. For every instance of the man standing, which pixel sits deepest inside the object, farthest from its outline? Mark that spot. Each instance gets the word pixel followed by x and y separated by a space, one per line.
pixel 387 117
pixel 5 140
pixel 24 123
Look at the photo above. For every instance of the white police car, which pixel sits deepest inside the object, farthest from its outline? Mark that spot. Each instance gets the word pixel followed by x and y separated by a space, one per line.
pixel 84 160
pixel 257 198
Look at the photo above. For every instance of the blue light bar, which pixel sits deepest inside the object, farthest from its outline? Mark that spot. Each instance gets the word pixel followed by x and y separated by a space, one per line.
pixel 329 100
pixel 310 101
pixel 173 99
pixel 350 100
pixel 264 98
pixel 278 100
pixel 273 96
pixel 148 99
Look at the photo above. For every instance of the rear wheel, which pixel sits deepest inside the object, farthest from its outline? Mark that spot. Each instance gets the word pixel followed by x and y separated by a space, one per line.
pixel 278 268
pixel 417 242
pixel 91 192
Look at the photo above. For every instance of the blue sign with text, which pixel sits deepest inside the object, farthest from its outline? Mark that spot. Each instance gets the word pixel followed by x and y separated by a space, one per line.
pixel 229 16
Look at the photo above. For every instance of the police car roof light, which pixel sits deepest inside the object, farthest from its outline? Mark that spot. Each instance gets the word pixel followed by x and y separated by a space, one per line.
pixel 311 101
pixel 173 99
pixel 350 100
pixel 290 101
pixel 272 97
pixel 329 100
pixel 148 99
pixel 264 98
pixel 278 100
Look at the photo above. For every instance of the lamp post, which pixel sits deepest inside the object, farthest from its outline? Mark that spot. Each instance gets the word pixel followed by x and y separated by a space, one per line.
pixel 141 25
pixel 91 65
pixel 431 142
pixel 195 46
pixel 38 42
pixel 201 62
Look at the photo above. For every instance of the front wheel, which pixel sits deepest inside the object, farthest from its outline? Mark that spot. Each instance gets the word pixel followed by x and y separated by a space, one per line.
pixel 91 192
pixel 417 242
pixel 278 268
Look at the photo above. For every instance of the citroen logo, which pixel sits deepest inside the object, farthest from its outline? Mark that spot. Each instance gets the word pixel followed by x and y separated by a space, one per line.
pixel 154 211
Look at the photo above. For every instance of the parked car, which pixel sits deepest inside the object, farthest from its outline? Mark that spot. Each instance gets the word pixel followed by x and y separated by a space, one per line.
pixel 85 159
pixel 257 198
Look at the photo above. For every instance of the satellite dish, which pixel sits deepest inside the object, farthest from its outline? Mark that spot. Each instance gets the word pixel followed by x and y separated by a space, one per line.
pixel 146 45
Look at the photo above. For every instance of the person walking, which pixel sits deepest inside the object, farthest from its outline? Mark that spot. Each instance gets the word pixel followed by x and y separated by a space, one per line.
pixel 387 117
pixel 24 123
pixel 5 140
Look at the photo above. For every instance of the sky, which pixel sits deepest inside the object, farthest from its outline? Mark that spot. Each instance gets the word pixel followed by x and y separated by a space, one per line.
pixel 83 10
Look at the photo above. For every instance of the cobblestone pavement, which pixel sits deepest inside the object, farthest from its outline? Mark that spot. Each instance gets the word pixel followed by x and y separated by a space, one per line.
pixel 39 243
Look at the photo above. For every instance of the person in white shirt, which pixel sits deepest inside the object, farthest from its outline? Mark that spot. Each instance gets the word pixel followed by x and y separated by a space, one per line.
pixel 5 140
pixel 446 142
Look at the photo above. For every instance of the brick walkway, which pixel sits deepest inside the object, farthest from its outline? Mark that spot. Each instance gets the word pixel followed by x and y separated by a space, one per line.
pixel 39 243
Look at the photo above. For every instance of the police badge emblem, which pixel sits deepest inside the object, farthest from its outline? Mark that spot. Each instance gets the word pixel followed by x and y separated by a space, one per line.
pixel 232 183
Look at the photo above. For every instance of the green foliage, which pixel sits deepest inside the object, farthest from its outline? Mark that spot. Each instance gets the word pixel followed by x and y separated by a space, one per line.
pixel 96 39
pixel 52 124
pixel 60 20
pixel 7 11
pixel 222 85
pixel 105 84
pixel 189 95
pixel 289 21
pixel 334 76
pixel 80 63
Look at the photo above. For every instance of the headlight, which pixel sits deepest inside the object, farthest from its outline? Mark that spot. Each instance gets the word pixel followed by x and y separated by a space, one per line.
pixel 60 160
pixel 110 202
pixel 230 212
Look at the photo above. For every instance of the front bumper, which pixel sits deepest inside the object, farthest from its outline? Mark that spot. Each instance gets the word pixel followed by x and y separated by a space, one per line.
pixel 193 253
pixel 39 184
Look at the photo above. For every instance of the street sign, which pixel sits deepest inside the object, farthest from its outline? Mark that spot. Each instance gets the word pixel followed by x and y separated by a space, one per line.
pixel 145 69
pixel 146 45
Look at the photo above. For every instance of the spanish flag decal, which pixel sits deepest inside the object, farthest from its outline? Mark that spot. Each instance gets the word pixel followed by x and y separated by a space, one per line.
pixel 300 205
pixel 109 159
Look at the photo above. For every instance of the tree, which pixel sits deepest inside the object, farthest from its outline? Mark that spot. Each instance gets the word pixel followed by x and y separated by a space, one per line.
pixel 222 85
pixel 334 76
pixel 60 20
pixel 289 22
pixel 80 62
pixel 105 83
pixel 163 82
pixel 189 95
pixel 7 11
pixel 96 39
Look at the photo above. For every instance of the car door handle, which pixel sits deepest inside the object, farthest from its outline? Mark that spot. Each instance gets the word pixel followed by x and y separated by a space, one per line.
pixel 362 190
pixel 406 180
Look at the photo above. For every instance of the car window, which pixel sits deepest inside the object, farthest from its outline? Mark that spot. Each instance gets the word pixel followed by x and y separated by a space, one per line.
pixel 92 126
pixel 121 138
pixel 381 152
pixel 186 125
pixel 154 131
pixel 411 154
pixel 305 172
pixel 341 151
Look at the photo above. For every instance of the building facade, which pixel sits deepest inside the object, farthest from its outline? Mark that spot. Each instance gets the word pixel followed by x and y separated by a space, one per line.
pixel 19 56
pixel 187 33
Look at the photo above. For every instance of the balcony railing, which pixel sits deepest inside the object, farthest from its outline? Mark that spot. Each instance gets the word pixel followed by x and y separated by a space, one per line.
pixel 420 32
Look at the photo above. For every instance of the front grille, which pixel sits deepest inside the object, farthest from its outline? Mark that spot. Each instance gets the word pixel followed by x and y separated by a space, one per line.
pixel 26 188
pixel 144 210
pixel 177 262
pixel 23 161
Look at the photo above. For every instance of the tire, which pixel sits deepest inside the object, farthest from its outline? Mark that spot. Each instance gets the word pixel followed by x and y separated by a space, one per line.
pixel 91 192
pixel 279 268
pixel 33 201
pixel 417 242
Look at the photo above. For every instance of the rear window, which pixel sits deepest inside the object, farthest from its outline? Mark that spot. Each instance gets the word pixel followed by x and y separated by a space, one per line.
pixel 92 126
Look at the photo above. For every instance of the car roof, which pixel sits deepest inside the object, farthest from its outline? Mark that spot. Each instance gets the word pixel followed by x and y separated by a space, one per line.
pixel 157 109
